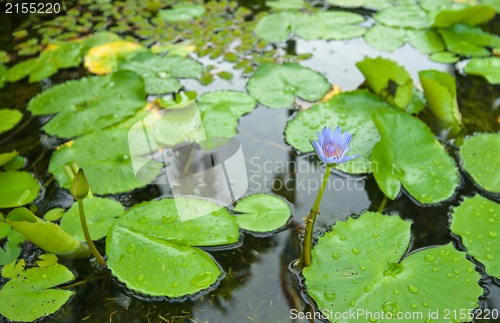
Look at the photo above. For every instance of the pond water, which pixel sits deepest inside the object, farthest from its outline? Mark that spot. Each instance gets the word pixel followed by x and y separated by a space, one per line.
pixel 258 285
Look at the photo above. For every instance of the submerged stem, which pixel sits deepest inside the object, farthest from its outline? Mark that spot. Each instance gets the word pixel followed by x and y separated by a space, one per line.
pixel 305 256
pixel 88 239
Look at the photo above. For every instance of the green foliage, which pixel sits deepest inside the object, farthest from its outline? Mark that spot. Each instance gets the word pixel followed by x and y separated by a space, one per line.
pixel 46 235
pixel 100 214
pixel 182 12
pixel 385 38
pixel 102 102
pixel 277 85
pixel 277 27
pixel 440 92
pixel 106 158
pixel 160 73
pixel 489 68
pixel 353 111
pixel 153 252
pixel 285 4
pixel 361 265
pixel 476 221
pixel 406 16
pixel 31 295
pixel 7 157
pixel 388 80
pixel 261 213
pixel 444 57
pixel 17 188
pixel 409 155
pixel 473 15
pixel 468 40
pixel 9 118
pixel 11 249
pixel 425 41
pixel 480 160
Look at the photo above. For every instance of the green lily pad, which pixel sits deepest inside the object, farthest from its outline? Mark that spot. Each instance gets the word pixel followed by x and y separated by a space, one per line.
pixel 3 75
pixel 473 15
pixel 277 85
pixel 103 59
pixel 352 111
pixel 444 57
pixel 277 27
pixel 489 68
pixel 417 102
pixel 285 4
pixel 182 12
pixel 440 92
pixel 409 155
pixel 17 189
pixel 153 252
pixel 406 16
pixel 106 159
pixel 262 213
pixel 372 4
pixel 388 80
pixel 476 221
pixel 7 157
pixel 220 111
pixel 361 266
pixel 13 269
pixel 468 40
pixel 330 25
pixel 31 295
pixel 426 41
pixel 46 235
pixel 54 214
pixel 102 101
pixel 100 214
pixel 9 118
pixel 160 73
pixel 480 160
pixel 385 38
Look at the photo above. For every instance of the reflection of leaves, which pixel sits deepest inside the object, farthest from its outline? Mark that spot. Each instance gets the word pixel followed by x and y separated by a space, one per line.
pixel 358 269
pixel 476 221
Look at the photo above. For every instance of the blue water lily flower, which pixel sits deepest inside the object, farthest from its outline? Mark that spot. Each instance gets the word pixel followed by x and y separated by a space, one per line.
pixel 332 146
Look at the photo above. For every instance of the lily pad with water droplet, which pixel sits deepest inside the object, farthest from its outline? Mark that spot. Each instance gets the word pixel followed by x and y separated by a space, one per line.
pixel 17 188
pixel 388 80
pixel 100 214
pixel 9 118
pixel 101 102
pixel 153 252
pixel 440 92
pixel 352 111
pixel 277 85
pixel 262 213
pixel 106 159
pixel 480 160
pixel 361 265
pixel 160 73
pixel 32 295
pixel 408 155
pixel 489 68
pixel 477 221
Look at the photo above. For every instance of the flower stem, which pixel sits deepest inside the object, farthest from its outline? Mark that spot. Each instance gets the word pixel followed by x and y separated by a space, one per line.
pixel 382 205
pixel 305 256
pixel 88 239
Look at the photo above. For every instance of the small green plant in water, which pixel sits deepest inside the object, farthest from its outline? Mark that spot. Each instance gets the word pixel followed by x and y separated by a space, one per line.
pixel 331 148
pixel 80 189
